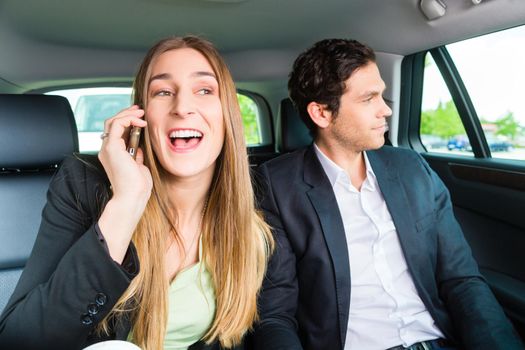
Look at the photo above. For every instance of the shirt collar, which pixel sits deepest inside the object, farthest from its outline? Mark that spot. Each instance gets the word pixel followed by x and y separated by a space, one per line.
pixel 334 171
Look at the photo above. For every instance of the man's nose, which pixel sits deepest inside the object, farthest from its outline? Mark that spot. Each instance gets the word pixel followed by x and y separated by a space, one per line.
pixel 386 111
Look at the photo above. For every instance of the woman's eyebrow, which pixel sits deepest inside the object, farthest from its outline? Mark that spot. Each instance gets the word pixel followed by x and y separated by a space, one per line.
pixel 204 74
pixel 161 76
pixel 168 76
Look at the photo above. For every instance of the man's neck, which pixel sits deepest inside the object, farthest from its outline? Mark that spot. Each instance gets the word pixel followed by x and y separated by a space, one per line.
pixel 351 161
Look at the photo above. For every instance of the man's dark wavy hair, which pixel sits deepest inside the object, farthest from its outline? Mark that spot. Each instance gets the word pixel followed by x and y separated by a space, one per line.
pixel 319 74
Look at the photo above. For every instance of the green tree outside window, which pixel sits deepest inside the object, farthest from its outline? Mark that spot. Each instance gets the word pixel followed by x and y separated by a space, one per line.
pixel 249 119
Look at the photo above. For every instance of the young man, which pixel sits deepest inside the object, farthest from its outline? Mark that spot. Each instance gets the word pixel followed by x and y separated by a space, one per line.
pixel 369 254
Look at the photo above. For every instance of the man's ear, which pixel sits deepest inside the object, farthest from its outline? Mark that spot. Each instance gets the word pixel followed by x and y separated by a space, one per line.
pixel 319 114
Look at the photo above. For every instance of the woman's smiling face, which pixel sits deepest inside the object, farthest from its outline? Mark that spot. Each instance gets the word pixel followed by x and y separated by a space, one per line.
pixel 184 113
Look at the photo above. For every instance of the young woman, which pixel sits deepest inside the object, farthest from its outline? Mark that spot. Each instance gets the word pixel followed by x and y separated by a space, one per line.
pixel 163 250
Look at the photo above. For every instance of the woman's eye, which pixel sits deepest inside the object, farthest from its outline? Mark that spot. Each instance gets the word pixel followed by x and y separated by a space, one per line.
pixel 204 91
pixel 163 93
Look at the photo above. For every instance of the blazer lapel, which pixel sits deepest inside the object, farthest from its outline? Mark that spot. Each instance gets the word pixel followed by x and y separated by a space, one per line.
pixel 323 200
pixel 399 206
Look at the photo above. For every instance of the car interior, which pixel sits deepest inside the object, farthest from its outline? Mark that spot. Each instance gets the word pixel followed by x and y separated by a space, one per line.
pixel 51 48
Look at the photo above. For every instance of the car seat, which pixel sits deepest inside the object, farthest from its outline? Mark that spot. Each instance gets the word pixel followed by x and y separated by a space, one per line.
pixel 36 133
pixel 293 132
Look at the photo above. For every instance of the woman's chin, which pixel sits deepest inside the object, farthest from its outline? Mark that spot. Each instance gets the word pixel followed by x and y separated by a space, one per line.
pixel 189 169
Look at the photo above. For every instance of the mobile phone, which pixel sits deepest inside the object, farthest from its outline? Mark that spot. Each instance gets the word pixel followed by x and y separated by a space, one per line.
pixel 133 143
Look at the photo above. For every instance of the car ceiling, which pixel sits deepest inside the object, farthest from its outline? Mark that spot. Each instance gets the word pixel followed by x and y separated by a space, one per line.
pixel 56 42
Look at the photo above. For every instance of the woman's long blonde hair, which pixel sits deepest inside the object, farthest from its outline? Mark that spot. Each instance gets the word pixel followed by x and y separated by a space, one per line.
pixel 235 239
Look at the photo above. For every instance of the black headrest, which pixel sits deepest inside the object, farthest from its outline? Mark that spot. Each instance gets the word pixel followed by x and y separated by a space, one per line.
pixel 36 131
pixel 294 133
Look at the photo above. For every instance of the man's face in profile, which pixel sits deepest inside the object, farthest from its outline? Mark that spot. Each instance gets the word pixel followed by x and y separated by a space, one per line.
pixel 360 122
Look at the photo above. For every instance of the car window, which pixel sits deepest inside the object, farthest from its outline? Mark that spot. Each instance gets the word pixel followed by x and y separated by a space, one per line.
pixel 91 106
pixel 493 79
pixel 495 86
pixel 250 118
pixel 441 128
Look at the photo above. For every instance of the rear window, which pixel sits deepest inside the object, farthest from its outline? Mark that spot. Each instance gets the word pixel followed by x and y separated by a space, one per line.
pixel 91 106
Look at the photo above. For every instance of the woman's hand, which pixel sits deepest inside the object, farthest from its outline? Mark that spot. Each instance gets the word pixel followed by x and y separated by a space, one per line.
pixel 130 180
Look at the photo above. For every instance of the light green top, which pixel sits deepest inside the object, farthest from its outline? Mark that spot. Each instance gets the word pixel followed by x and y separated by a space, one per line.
pixel 191 308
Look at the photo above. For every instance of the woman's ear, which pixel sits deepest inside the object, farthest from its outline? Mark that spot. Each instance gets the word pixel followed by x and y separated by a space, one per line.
pixel 319 114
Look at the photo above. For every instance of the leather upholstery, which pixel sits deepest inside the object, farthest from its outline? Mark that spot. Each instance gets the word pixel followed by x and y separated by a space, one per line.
pixel 36 133
pixel 294 133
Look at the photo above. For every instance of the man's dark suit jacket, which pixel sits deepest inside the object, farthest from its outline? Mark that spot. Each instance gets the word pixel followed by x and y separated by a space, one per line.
pixel 306 294
pixel 69 271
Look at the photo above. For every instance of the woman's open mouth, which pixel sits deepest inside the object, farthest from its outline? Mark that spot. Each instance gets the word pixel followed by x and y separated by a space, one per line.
pixel 183 140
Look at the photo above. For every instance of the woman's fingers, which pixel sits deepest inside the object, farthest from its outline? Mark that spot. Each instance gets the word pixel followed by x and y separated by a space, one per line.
pixel 113 155
pixel 140 156
pixel 117 127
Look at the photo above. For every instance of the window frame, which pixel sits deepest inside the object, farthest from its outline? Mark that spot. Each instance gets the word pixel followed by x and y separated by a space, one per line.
pixel 461 98
pixel 411 94
pixel 412 71
pixel 266 129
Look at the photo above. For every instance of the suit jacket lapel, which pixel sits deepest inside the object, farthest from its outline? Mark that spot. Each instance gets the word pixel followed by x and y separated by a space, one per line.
pixel 399 206
pixel 323 200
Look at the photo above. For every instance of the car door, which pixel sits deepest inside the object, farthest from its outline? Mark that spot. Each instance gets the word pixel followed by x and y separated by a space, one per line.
pixel 473 136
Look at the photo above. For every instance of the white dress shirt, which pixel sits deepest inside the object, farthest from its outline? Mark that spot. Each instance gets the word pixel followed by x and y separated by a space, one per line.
pixel 385 309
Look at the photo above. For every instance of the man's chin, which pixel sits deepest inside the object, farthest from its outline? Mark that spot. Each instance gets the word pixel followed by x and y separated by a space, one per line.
pixel 376 145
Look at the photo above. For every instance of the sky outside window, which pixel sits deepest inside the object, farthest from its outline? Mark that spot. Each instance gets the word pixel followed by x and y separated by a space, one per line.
pixel 493 70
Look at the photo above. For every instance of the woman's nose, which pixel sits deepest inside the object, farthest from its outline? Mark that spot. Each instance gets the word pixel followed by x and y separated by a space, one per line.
pixel 182 105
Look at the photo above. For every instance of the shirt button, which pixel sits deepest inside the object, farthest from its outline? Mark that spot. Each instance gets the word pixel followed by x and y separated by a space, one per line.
pixel 86 319
pixel 101 299
pixel 92 309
